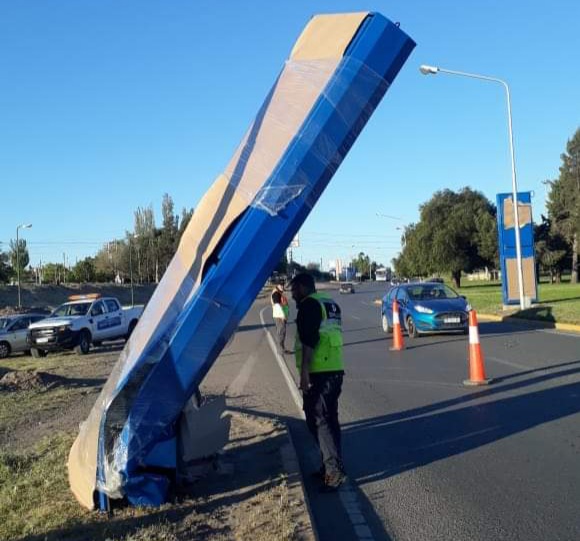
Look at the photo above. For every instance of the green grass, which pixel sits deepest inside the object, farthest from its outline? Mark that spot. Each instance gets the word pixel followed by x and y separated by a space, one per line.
pixel 558 302
pixel 34 494
pixel 35 401
pixel 35 500
pixel 36 503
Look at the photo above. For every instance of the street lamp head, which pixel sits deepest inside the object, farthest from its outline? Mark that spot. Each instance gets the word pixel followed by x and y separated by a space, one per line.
pixel 24 226
pixel 428 70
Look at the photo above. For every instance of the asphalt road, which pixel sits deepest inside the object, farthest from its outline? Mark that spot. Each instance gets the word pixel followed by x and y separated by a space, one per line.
pixel 428 458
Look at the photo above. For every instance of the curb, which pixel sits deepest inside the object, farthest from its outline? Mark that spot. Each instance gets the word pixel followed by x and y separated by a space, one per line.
pixel 538 322
pixel 303 516
pixel 570 327
pixel 302 512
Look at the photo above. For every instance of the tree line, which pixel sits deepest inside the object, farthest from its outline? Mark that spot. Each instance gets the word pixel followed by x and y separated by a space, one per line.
pixel 457 231
pixel 144 253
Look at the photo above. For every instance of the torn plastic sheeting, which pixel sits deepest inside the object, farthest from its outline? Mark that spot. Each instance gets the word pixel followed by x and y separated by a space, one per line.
pixel 273 199
pixel 206 321
pixel 229 249
pixel 254 161
pixel 210 322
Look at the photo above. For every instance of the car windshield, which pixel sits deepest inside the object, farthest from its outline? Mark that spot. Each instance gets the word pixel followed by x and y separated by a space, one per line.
pixel 431 292
pixel 76 309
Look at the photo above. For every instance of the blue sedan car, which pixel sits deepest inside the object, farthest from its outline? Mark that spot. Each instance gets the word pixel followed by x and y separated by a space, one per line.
pixel 426 307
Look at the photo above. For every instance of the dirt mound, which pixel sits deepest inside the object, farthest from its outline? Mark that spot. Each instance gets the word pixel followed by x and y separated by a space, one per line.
pixel 14 310
pixel 29 380
pixel 50 295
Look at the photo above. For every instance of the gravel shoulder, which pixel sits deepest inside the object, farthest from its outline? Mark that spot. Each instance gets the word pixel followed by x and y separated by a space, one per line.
pixel 254 490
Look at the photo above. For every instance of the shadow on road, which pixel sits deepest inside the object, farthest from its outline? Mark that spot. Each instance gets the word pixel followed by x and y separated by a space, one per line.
pixel 429 433
pixel 256 327
pixel 487 329
pixel 328 511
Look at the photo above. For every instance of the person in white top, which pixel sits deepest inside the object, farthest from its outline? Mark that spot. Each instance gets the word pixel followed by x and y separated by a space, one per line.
pixel 280 311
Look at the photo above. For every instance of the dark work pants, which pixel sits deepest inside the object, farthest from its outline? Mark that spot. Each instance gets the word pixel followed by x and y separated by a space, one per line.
pixel 281 332
pixel 321 410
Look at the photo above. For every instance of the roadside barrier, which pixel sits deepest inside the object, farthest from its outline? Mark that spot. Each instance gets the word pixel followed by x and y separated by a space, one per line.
pixel 476 364
pixel 398 342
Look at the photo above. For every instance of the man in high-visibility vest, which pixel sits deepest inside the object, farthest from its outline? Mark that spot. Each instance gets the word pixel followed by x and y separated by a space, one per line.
pixel 280 312
pixel 319 361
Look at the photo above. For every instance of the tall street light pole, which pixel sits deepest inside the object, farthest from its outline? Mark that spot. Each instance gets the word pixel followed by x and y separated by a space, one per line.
pixel 433 70
pixel 22 226
pixel 131 267
pixel 131 271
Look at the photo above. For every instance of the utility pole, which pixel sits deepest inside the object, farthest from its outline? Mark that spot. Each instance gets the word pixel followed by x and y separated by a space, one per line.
pixel 22 226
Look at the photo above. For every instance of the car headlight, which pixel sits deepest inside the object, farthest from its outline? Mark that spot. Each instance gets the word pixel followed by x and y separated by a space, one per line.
pixel 63 328
pixel 423 309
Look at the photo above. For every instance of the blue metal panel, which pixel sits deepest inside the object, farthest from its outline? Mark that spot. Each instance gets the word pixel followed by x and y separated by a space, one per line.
pixel 248 255
pixel 507 242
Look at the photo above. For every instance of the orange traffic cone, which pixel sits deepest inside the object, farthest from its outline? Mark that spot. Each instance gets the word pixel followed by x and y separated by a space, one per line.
pixel 476 367
pixel 398 343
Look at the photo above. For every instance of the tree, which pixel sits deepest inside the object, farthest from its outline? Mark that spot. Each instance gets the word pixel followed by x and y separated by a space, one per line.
pixel 564 199
pixel 23 257
pixel 53 272
pixel 184 221
pixel 361 264
pixel 107 261
pixel 282 266
pixel 168 235
pixel 84 270
pixel 413 260
pixel 456 233
pixel 5 270
pixel 552 250
pixel 144 244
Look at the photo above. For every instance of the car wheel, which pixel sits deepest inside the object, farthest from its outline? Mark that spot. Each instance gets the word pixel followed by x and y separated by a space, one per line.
pixel 38 353
pixel 84 343
pixel 386 326
pixel 4 350
pixel 411 328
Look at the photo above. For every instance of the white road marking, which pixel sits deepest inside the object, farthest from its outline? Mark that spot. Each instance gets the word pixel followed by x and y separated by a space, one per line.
pixel 237 386
pixel 556 331
pixel 355 317
pixel 508 363
pixel 348 496
pixel 282 364
pixel 414 382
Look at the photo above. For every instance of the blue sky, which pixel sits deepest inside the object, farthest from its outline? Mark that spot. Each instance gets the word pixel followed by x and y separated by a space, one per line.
pixel 107 105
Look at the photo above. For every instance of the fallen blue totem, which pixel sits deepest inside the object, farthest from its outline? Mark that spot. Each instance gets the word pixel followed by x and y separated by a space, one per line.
pixel 337 73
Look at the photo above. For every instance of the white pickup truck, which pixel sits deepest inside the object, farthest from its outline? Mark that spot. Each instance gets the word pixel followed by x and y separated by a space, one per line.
pixel 84 320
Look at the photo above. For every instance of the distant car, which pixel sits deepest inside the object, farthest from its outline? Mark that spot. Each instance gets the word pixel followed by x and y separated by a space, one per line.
pixel 346 287
pixel 13 330
pixel 427 307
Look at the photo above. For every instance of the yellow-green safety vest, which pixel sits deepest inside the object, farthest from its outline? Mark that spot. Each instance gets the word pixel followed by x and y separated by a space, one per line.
pixel 328 355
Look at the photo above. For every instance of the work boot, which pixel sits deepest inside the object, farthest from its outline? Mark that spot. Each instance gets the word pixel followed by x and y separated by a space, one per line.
pixel 333 481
